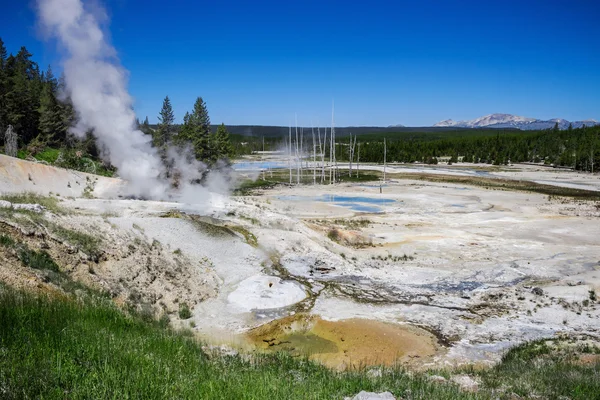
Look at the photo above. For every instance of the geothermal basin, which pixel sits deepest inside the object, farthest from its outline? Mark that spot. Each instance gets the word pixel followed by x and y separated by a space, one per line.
pixel 421 272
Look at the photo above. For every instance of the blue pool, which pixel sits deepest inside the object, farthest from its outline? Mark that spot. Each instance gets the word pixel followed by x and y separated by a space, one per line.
pixel 355 203
pixel 258 165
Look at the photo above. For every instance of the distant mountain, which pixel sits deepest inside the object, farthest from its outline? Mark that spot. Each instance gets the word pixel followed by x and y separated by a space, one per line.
pixel 397 126
pixel 515 122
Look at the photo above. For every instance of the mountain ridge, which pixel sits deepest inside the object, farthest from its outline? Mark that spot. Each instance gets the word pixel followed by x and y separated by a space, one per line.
pixel 499 120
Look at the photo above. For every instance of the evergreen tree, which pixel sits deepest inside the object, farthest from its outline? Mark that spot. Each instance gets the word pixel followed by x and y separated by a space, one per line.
pixel 195 131
pixel 52 128
pixel 23 91
pixel 185 132
pixel 162 136
pixel 3 87
pixel 66 109
pixel 222 143
pixel 145 127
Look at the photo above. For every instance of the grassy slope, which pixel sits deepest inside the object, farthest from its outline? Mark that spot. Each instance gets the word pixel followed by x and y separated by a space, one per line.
pixel 57 348
pixel 60 348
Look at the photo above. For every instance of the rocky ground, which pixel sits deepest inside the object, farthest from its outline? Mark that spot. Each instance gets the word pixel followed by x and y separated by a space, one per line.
pixel 461 272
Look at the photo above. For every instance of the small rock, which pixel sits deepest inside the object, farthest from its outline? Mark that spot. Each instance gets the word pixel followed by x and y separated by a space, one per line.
pixel 436 378
pixel 372 396
pixel 537 291
pixel 466 382
pixel 219 351
pixel 5 204
pixel 29 207
pixel 374 373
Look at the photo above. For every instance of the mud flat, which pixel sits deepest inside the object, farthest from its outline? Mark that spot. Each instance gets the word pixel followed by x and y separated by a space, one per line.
pixel 483 269
pixel 346 344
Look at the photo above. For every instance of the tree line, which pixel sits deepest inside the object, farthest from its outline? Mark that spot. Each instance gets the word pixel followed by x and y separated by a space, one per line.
pixel 36 114
pixel 578 148
pixel 574 148
pixel 195 133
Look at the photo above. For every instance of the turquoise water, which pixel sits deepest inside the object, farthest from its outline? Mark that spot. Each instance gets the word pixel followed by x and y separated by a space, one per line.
pixel 355 203
pixel 258 165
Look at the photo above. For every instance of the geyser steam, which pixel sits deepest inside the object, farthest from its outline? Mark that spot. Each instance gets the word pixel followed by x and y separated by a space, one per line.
pixel 96 83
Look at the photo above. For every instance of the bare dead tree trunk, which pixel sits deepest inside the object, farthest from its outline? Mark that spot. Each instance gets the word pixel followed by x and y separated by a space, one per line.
pixel 323 156
pixel 297 156
pixel 335 169
pixel 350 156
pixel 384 158
pixel 290 154
pixel 358 159
pixel 10 142
pixel 352 149
pixel 314 156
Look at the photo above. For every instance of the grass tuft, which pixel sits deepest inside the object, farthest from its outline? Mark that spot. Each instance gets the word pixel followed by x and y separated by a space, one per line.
pixel 6 241
pixel 37 260
pixel 50 203
pixel 88 244
pixel 184 311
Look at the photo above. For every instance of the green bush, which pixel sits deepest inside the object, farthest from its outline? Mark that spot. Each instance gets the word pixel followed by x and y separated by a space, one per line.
pixel 50 203
pixel 184 311
pixel 6 241
pixel 37 260
pixel 49 155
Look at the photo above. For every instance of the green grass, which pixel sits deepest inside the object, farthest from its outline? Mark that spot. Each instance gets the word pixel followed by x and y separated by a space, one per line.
pixel 37 259
pixel 58 348
pixel 545 371
pixel 6 241
pixel 49 155
pixel 184 311
pixel 503 184
pixel 281 176
pixel 50 203
pixel 247 187
pixel 88 244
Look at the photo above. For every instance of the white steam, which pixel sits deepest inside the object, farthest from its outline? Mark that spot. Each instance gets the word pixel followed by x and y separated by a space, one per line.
pixel 96 83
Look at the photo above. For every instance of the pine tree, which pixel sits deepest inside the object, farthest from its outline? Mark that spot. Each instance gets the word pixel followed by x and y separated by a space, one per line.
pixel 3 86
pixel 162 136
pixel 66 110
pixel 195 131
pixel 145 127
pixel 222 142
pixel 52 128
pixel 24 87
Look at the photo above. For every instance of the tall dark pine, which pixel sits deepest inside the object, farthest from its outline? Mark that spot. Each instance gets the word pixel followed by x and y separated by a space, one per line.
pixel 200 131
pixel 166 118
pixel 145 127
pixel 222 143
pixel 52 128
pixel 23 94
pixel 3 86
pixel 66 109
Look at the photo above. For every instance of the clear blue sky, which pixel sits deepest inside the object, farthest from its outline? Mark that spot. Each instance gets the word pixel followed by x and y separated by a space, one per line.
pixel 383 62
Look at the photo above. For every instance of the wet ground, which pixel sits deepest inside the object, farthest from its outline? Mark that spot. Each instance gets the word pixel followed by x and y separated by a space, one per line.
pixel 346 344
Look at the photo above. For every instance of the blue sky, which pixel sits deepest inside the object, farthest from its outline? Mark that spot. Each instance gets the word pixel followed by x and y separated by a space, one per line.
pixel 383 62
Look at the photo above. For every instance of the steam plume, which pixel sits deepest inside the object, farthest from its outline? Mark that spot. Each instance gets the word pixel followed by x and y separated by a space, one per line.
pixel 96 83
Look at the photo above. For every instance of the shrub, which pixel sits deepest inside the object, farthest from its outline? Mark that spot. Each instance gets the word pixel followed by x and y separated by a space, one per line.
pixel 333 234
pixel 184 311
pixel 37 260
pixel 6 241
